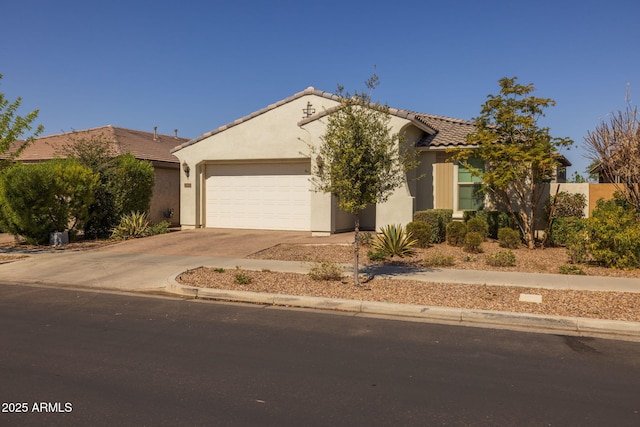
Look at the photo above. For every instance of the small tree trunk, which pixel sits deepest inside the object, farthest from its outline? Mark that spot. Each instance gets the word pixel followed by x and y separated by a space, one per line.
pixel 356 252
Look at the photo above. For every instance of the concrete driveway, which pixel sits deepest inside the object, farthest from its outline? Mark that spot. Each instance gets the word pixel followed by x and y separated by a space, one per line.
pixel 146 264
pixel 229 243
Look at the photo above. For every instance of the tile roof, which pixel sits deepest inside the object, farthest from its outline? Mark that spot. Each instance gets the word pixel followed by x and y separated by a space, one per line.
pixel 139 143
pixel 443 131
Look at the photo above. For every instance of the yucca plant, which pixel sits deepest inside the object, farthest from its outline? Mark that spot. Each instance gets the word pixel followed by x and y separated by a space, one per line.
pixel 394 240
pixel 131 226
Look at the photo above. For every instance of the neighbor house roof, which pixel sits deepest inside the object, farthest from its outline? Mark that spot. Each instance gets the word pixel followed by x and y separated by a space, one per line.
pixel 143 145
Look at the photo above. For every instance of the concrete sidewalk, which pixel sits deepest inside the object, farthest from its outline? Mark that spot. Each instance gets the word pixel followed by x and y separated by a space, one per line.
pixel 135 272
pixel 102 269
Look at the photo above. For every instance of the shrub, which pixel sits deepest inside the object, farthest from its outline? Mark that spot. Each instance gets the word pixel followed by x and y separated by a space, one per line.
pixel 501 259
pixel 393 240
pixel 439 260
pixel 125 185
pixel 509 238
pixel 614 234
pixel 577 249
pixel 243 279
pixel 421 231
pixel 563 228
pixel 438 220
pixel 456 231
pixel 365 238
pixel 131 226
pixel 478 225
pixel 219 270
pixel 495 220
pixel 571 269
pixel 473 242
pixel 376 255
pixel 325 271
pixel 130 182
pixel 36 200
pixel 161 227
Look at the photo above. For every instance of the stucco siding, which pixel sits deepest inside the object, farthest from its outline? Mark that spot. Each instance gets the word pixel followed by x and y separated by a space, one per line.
pixel 165 202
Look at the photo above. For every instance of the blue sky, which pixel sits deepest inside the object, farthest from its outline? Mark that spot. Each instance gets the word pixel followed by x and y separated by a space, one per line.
pixel 196 65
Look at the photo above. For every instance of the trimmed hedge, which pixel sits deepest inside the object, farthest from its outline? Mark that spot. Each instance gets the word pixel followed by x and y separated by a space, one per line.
pixel 438 220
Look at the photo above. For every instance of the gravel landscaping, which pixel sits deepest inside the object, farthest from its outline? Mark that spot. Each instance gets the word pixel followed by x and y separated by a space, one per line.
pixel 601 305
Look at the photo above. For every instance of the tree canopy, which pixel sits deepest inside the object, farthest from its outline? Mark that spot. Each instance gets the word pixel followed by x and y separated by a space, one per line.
pixel 614 148
pixel 360 160
pixel 13 127
pixel 517 154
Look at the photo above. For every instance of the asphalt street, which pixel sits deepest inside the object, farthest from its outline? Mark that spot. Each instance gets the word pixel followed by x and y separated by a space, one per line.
pixel 96 358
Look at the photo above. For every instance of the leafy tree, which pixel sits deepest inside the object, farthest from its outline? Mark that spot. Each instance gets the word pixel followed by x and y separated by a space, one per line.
pixel 13 127
pixel 614 146
pixel 130 182
pixel 518 155
pixel 360 160
pixel 36 200
pixel 126 184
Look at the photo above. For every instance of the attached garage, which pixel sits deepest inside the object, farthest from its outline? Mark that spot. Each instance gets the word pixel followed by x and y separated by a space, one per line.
pixel 267 196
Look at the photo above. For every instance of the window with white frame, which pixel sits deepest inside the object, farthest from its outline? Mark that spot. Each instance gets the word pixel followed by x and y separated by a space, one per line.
pixel 470 197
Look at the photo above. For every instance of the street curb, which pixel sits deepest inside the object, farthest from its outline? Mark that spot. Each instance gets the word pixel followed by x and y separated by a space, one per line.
pixel 612 329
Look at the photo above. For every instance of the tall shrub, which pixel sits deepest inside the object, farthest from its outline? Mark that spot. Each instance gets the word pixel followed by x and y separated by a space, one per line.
pixel 130 181
pixel 36 200
pixel 438 220
pixel 614 234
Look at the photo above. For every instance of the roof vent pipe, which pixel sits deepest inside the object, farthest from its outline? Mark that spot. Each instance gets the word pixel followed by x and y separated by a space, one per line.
pixel 175 133
pixel 155 133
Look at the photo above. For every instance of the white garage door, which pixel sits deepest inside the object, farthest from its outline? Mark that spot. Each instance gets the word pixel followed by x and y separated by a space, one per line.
pixel 259 196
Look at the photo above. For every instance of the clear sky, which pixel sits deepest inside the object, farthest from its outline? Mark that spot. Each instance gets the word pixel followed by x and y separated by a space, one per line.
pixel 196 65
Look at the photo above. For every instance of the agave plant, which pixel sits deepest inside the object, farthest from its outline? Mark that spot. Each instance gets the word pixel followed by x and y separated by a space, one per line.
pixel 394 240
pixel 134 225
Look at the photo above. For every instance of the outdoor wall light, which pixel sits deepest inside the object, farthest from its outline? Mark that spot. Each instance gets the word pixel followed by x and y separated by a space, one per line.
pixel 186 168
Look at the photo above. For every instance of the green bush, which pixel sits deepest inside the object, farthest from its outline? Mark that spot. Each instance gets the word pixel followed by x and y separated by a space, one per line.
pixel 421 231
pixel 161 227
pixel 439 260
pixel 325 271
pixel 501 259
pixel 509 238
pixel 438 220
pixel 614 234
pixel 473 242
pixel 130 182
pixel 478 225
pixel 495 220
pixel 39 199
pixel 125 185
pixel 243 279
pixel 393 240
pixel 376 255
pixel 365 238
pixel 456 231
pixel 571 269
pixel 563 228
pixel 577 247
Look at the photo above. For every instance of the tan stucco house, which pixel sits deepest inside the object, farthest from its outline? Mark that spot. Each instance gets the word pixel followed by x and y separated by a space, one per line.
pixel 255 172
pixel 151 146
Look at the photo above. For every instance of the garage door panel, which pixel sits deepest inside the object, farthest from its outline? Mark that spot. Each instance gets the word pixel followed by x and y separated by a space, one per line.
pixel 259 196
